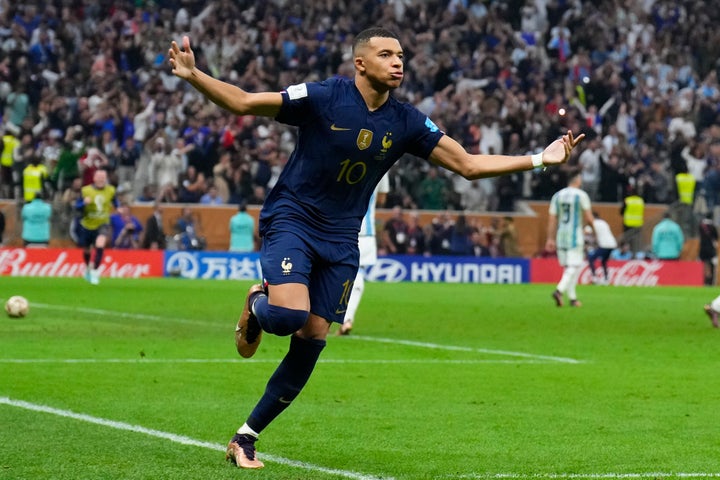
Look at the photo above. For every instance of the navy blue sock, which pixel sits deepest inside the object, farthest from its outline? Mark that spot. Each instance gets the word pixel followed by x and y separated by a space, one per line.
pixel 286 383
pixel 99 256
pixel 86 257
pixel 277 320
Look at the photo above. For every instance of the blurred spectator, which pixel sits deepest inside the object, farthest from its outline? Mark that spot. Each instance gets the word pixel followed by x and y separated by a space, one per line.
pixel 23 156
pixel 89 163
pixel 10 143
pixel 590 161
pixel 612 178
pixel 126 228
pixel 257 197
pixel 667 239
pixel 68 212
pixel 432 191
pixel 165 168
pixel 211 197
pixel 154 234
pixel 191 186
pixel 623 252
pixel 242 231
pixel 633 212
pixel 508 190
pixel 417 244
pixel 604 245
pixel 128 160
pixel 186 232
pixel 474 197
pixel 67 168
pixel 656 184
pixel 35 179
pixel 440 232
pixel 461 237
pixel 708 249
pixel 17 105
pixel 395 233
pixel 36 222
pixel 480 244
pixel 508 238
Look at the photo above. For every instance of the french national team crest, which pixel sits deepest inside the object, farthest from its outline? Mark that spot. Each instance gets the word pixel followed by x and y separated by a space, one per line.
pixel 364 139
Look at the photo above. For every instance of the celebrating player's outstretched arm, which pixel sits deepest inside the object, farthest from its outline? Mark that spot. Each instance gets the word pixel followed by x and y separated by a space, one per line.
pixel 451 155
pixel 229 97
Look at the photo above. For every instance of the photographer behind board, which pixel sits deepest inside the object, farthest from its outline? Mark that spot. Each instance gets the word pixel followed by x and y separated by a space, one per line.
pixel 126 228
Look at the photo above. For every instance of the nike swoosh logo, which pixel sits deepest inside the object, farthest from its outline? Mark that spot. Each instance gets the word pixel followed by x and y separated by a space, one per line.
pixel 283 400
pixel 338 129
pixel 338 311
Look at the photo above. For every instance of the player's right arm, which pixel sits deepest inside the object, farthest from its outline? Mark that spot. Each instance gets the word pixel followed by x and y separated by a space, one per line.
pixel 225 95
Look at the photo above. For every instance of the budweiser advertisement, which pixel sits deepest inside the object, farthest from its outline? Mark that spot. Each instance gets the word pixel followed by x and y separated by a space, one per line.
pixel 643 273
pixel 61 262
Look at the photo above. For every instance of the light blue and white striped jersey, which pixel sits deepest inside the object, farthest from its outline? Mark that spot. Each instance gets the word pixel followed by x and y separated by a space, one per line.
pixel 568 206
pixel 367 229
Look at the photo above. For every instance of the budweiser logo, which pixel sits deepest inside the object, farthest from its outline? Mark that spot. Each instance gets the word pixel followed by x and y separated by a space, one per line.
pixel 57 263
pixel 631 273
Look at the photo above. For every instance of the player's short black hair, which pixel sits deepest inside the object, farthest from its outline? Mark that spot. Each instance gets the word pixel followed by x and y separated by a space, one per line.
pixel 365 36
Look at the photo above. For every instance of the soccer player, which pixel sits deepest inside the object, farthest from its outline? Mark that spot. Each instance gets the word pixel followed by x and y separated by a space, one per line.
pixel 367 242
pixel 569 207
pixel 96 202
pixel 606 243
pixel 712 309
pixel 351 131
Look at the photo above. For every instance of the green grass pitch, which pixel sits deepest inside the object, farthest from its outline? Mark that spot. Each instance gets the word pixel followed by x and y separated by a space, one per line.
pixel 139 379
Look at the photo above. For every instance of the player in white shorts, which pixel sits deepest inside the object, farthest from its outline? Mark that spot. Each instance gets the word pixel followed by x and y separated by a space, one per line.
pixel 367 242
pixel 569 207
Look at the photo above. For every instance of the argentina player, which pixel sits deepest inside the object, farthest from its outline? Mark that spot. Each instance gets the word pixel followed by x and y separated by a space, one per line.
pixel 350 132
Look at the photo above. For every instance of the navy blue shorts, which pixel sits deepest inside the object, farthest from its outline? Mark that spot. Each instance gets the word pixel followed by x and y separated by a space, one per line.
pixel 87 237
pixel 328 269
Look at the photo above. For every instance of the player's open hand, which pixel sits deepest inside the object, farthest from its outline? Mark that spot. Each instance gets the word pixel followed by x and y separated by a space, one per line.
pixel 559 151
pixel 182 61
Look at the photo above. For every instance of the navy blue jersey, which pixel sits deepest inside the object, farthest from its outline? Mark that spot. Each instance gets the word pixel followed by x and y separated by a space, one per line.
pixel 343 150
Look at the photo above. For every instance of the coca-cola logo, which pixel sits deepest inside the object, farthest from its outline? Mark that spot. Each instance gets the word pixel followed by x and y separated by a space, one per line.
pixel 59 263
pixel 631 273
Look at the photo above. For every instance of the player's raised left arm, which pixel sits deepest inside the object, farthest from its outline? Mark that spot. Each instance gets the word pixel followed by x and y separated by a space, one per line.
pixel 231 98
pixel 451 155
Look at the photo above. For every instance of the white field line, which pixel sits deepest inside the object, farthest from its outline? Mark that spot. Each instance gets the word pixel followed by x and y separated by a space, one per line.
pixel 109 313
pixel 531 356
pixel 466 349
pixel 181 439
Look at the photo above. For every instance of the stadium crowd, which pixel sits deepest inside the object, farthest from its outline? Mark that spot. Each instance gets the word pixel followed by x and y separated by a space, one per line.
pixel 86 85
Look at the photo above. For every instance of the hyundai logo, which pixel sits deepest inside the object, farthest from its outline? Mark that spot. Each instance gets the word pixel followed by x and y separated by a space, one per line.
pixel 387 270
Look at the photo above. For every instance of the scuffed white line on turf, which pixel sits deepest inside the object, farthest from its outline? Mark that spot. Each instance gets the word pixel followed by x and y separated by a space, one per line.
pixel 466 349
pixel 181 439
pixel 268 360
pixel 581 476
pixel 110 313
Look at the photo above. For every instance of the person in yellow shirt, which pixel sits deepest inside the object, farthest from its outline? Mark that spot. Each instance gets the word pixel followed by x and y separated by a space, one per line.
pixel 633 212
pixel 34 179
pixel 96 202
pixel 9 143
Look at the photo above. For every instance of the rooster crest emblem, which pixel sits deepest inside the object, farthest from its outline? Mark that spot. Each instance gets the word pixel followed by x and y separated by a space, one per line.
pixel 286 266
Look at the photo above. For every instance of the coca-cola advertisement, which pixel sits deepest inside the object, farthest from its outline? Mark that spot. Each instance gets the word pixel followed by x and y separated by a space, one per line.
pixel 643 273
pixel 61 262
